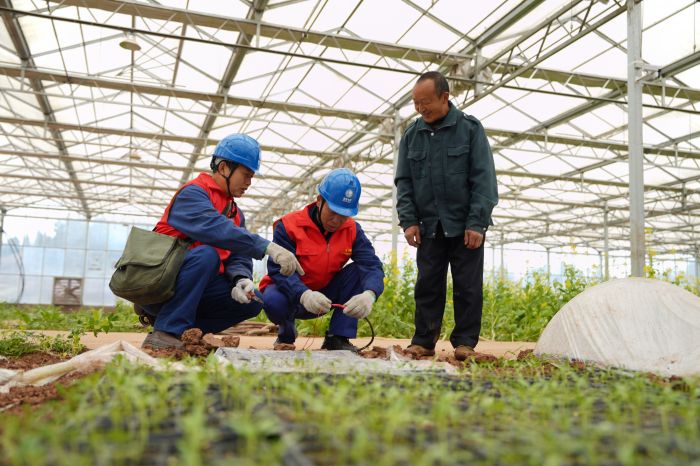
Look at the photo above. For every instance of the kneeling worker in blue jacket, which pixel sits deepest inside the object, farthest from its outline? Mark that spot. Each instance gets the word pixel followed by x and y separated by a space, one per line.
pixel 324 238
pixel 214 287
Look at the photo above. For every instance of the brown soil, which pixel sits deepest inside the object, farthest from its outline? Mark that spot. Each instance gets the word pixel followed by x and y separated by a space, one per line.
pixel 191 336
pixel 30 361
pixel 172 353
pixel 196 344
pixel 377 352
pixel 444 356
pixel 18 397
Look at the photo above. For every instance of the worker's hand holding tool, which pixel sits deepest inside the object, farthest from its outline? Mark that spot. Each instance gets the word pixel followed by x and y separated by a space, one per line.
pixel 360 305
pixel 315 302
pixel 286 259
pixel 243 291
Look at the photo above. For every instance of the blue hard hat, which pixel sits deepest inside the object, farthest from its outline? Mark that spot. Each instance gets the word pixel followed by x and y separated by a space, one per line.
pixel 239 148
pixel 341 189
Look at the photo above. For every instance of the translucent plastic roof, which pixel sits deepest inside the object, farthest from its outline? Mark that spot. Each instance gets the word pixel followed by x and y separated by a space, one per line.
pixel 91 129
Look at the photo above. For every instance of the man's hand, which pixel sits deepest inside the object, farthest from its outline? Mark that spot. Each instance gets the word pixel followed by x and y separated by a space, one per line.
pixel 412 235
pixel 315 302
pixel 360 305
pixel 286 259
pixel 473 239
pixel 243 291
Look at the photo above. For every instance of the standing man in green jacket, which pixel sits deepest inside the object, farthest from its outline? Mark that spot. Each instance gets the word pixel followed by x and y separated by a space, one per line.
pixel 446 191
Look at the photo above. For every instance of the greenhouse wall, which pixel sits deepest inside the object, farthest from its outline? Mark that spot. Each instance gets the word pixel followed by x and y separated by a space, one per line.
pixel 74 248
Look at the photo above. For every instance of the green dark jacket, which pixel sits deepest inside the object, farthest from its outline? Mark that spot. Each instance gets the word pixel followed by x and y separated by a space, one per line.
pixel 446 174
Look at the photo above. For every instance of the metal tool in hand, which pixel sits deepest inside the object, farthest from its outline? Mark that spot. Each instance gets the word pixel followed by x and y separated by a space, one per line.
pixel 254 297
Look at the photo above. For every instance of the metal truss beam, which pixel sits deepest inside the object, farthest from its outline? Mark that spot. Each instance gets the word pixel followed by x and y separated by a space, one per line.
pixel 19 42
pixel 125 163
pixel 159 136
pixel 251 27
pixel 220 99
pixel 624 222
pixel 511 18
pixel 667 71
pixel 254 13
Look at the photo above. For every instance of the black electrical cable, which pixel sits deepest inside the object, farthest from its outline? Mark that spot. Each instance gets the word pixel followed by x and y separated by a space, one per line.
pixel 371 329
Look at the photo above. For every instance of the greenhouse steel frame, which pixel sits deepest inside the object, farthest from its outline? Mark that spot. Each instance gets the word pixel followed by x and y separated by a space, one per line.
pixel 93 130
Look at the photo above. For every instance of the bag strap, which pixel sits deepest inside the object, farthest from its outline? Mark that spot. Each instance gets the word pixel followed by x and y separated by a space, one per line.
pixel 225 212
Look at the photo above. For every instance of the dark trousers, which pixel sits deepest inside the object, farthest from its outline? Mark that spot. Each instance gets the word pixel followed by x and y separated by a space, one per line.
pixel 202 298
pixel 467 266
pixel 283 311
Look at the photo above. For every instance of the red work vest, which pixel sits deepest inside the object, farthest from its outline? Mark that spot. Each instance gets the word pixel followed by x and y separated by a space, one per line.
pixel 319 258
pixel 219 199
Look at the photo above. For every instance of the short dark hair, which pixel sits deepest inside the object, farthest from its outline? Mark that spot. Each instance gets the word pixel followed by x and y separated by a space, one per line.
pixel 438 79
pixel 216 161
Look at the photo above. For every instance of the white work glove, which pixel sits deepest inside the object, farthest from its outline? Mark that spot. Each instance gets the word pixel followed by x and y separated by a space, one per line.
pixel 285 259
pixel 315 302
pixel 243 291
pixel 360 305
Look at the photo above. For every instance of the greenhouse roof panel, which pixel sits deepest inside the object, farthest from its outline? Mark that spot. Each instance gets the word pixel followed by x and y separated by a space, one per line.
pixel 318 83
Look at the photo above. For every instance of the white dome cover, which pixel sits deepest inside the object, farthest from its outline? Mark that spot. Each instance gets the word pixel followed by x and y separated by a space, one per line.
pixel 632 323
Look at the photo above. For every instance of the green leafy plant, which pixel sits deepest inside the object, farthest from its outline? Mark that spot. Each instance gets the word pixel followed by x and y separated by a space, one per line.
pixel 18 343
pixel 42 317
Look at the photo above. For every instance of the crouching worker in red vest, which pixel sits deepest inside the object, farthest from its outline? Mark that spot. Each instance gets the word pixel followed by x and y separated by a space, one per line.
pixel 324 238
pixel 214 288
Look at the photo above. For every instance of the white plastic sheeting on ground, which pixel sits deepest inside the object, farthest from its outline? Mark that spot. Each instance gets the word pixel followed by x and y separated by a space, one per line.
pixel 633 323
pixel 85 361
pixel 334 362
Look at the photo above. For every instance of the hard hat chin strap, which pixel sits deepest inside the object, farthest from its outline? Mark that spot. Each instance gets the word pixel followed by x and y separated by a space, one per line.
pixel 320 209
pixel 227 178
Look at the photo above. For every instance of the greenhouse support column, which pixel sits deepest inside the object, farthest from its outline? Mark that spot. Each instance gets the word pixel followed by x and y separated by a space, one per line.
pixel 634 115
pixel 2 228
pixel 502 271
pixel 394 212
pixel 493 262
pixel 549 269
pixel 606 248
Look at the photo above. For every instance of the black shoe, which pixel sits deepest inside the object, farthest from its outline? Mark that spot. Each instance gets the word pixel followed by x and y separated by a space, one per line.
pixel 336 342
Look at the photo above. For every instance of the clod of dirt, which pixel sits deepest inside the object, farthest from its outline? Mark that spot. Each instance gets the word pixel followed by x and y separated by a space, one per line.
pixel 195 345
pixel 212 342
pixel 197 350
pixel 377 352
pixel 231 341
pixel 483 357
pixel 578 365
pixel 192 336
pixel 525 354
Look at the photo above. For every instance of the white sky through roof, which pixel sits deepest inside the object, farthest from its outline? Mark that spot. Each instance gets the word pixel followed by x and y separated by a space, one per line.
pixel 318 83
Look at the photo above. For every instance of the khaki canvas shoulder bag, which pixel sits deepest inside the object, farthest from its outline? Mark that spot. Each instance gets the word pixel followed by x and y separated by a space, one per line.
pixel 147 270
